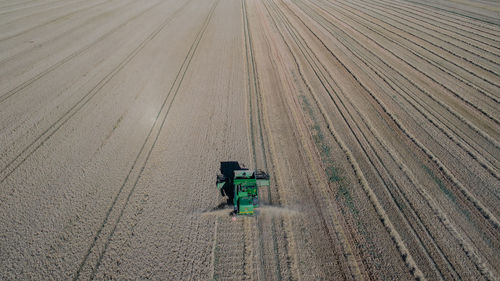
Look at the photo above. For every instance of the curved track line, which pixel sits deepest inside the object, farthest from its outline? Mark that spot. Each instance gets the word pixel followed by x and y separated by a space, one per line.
pixel 483 162
pixel 18 3
pixel 492 71
pixel 25 7
pixel 487 214
pixel 391 229
pixel 447 15
pixel 457 13
pixel 352 263
pixel 52 21
pixel 430 77
pixel 254 90
pixel 315 67
pixel 389 174
pixel 164 110
pixel 212 254
pixel 433 20
pixel 481 269
pixel 71 30
pixel 473 127
pixel 419 26
pixel 42 138
pixel 467 247
pixel 25 84
pixel 457 76
pixel 36 13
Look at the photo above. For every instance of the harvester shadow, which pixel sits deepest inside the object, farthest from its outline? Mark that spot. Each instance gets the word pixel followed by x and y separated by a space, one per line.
pixel 227 169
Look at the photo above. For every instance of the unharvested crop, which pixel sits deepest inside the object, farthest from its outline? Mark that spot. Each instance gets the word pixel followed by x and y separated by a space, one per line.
pixel 378 121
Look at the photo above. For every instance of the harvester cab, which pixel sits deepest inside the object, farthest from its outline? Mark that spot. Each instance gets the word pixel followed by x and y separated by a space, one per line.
pixel 243 186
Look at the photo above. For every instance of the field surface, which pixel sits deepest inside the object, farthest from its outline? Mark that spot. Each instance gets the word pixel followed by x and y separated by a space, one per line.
pixel 378 121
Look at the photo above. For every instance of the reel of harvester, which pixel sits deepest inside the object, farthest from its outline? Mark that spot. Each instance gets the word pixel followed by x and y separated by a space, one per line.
pixel 242 186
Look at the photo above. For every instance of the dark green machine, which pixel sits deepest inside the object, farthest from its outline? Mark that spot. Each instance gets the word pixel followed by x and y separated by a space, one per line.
pixel 245 185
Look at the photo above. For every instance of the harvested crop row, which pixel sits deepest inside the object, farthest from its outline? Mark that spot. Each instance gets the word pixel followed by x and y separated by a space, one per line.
pixel 377 122
pixel 317 52
pixel 382 63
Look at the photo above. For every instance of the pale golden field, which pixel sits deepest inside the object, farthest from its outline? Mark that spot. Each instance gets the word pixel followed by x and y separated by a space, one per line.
pixel 378 121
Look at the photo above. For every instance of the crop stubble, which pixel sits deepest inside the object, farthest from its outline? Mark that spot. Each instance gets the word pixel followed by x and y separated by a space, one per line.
pixel 377 120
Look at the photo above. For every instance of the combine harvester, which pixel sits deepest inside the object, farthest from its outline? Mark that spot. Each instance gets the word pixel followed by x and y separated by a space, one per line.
pixel 242 186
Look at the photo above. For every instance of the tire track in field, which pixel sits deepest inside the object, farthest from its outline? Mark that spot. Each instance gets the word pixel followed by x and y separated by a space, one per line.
pixel 235 255
pixel 49 9
pixel 262 155
pixel 409 261
pixel 52 129
pixel 491 170
pixel 458 27
pixel 448 108
pixel 144 154
pixel 257 137
pixel 313 62
pixel 448 15
pixel 453 54
pixel 253 89
pixel 466 122
pixel 25 7
pixel 214 250
pixel 487 214
pixel 475 52
pixel 494 99
pixel 25 84
pixel 468 249
pixel 233 263
pixel 469 60
pixel 10 4
pixel 430 61
pixel 368 126
pixel 69 31
pixel 486 164
pixel 401 192
pixel 51 21
pixel 436 29
pixel 338 228
pixel 483 49
pixel 462 13
pixel 315 200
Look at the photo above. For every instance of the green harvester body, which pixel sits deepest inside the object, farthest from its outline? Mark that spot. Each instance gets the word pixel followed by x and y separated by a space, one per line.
pixel 246 185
